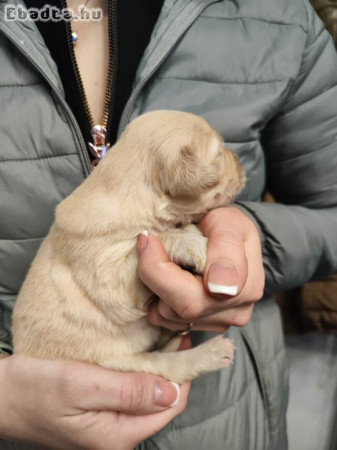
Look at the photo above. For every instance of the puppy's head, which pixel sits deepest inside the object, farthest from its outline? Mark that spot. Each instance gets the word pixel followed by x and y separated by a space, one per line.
pixel 189 166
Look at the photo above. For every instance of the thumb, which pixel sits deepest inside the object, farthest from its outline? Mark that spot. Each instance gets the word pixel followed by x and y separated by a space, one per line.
pixel 227 267
pixel 128 392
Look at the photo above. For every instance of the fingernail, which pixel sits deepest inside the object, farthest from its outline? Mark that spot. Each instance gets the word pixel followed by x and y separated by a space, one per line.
pixel 177 388
pixel 222 279
pixel 167 393
pixel 142 241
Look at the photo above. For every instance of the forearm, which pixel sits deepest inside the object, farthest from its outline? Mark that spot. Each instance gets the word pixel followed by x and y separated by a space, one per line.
pixel 298 243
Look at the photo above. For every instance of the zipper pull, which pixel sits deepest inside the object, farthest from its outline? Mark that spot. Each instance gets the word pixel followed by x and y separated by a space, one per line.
pixel 99 148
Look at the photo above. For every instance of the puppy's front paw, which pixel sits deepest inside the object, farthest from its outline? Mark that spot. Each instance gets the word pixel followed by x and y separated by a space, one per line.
pixel 190 253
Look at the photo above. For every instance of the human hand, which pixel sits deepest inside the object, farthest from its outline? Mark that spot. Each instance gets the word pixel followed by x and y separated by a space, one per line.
pixel 74 405
pixel 232 282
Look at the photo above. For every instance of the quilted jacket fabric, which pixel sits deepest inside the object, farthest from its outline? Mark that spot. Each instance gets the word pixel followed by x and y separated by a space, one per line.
pixel 263 73
pixel 313 306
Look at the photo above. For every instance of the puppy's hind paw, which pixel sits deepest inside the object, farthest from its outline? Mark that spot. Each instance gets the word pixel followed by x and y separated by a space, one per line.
pixel 217 353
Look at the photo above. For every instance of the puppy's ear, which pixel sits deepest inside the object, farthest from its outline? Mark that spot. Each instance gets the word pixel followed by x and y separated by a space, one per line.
pixel 188 175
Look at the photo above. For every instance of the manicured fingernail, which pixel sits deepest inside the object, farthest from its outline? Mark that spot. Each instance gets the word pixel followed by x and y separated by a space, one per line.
pixel 222 279
pixel 142 241
pixel 176 401
pixel 167 393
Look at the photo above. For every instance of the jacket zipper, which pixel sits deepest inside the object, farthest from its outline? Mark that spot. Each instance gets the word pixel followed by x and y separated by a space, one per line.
pixel 99 147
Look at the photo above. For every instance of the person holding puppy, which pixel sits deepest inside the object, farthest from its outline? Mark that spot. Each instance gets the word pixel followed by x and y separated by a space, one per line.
pixel 263 75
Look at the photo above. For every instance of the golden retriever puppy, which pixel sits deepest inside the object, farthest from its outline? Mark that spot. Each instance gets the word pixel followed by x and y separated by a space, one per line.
pixel 82 298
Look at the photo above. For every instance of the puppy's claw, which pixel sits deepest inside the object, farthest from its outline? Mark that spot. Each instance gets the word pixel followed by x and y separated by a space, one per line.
pixel 227 362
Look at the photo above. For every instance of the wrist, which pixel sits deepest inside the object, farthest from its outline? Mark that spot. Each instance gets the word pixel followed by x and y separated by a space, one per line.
pixel 240 207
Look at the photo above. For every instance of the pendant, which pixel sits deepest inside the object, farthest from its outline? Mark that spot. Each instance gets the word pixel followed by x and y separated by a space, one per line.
pixel 99 148
pixel 74 37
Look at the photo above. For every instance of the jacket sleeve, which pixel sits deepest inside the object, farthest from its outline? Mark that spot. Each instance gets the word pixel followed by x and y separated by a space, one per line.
pixel 299 232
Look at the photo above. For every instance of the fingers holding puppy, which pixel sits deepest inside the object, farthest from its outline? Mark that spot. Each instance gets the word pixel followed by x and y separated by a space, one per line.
pixel 181 296
pixel 218 322
pixel 233 280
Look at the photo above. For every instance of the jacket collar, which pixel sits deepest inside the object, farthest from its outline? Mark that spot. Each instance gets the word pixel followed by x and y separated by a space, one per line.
pixel 175 18
pixel 27 38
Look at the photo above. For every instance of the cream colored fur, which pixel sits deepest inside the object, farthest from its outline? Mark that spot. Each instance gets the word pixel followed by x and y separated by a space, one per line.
pixel 82 298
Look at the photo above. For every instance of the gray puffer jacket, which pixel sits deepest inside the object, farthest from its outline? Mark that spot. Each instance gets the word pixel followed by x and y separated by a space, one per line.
pixel 264 74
